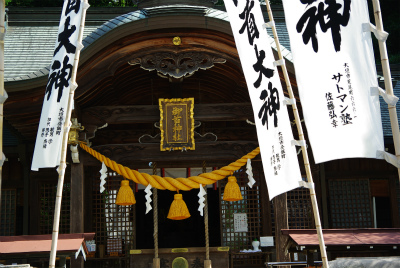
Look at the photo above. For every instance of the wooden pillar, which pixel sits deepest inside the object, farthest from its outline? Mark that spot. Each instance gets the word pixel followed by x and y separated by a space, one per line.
pixel 324 195
pixel 281 222
pixel 76 207
pixel 265 206
pixel 26 166
pixel 394 203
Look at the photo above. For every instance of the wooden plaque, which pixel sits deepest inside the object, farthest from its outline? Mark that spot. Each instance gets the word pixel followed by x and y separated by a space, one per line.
pixel 176 124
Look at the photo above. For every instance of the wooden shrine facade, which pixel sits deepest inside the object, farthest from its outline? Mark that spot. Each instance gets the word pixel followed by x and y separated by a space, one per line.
pixel 128 64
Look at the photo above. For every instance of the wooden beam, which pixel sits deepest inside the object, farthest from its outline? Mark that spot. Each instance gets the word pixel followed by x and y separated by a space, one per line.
pixel 150 113
pixel 138 155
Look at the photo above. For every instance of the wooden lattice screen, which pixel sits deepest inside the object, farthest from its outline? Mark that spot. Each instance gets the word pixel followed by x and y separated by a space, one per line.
pixel 252 207
pixel 350 204
pixel 112 224
pixel 8 212
pixel 300 211
pixel 47 199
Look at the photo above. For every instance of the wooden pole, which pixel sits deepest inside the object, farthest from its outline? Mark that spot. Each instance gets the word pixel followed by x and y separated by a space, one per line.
pixel 303 148
pixel 63 164
pixel 207 261
pixel 2 33
pixel 156 259
pixel 388 80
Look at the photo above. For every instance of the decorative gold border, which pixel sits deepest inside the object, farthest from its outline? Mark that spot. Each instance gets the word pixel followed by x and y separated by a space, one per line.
pixel 190 102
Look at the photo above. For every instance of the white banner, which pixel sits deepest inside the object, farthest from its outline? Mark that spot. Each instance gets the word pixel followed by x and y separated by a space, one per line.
pixel 281 167
pixel 335 71
pixel 50 132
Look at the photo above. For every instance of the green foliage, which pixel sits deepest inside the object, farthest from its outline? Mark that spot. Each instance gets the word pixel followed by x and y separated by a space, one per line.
pixel 59 3
pixel 111 3
pixel 35 3
pixel 391 24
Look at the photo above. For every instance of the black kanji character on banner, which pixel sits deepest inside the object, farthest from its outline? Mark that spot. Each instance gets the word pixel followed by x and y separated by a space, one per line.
pixel 337 77
pixel 271 105
pixel 258 67
pixel 342 97
pixel 59 77
pixel 63 38
pixel 330 105
pixel 313 16
pixel 338 88
pixel 73 5
pixel 235 2
pixel 342 111
pixel 332 114
pixel 346 119
pixel 249 22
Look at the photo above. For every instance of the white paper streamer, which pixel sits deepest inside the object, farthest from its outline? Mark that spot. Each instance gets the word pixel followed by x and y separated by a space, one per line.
pixel 279 62
pixel 79 251
pixel 305 184
pixel 288 101
pixel 2 159
pixel 201 195
pixel 390 158
pixel 148 197
pixel 380 35
pixel 3 97
pixel 299 142
pixel 269 24
pixel 249 171
pixel 389 99
pixel 103 172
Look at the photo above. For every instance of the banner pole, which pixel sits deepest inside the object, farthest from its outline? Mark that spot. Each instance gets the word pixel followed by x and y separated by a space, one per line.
pixel 2 91
pixel 303 147
pixel 388 81
pixel 67 123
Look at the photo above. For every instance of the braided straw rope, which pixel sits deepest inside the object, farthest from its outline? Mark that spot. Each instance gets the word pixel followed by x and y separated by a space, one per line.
pixel 167 183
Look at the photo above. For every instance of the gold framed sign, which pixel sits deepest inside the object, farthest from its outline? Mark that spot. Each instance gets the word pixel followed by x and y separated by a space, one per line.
pixel 177 124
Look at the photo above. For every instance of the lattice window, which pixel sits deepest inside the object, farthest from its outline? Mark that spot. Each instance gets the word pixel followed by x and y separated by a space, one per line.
pixel 249 205
pixel 300 212
pixel 47 198
pixel 113 224
pixel 272 217
pixel 8 212
pixel 350 205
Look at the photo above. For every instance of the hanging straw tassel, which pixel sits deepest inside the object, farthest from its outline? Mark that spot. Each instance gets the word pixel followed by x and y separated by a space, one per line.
pixel 178 210
pixel 125 195
pixel 232 190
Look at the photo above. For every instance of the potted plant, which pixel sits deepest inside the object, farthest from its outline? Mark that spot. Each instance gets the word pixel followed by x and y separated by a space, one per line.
pixel 256 244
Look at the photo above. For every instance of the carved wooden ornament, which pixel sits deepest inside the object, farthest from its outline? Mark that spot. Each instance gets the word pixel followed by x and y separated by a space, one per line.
pixel 177 124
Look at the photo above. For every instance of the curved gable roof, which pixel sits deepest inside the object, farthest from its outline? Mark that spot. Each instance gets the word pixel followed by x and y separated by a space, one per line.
pixel 29 49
